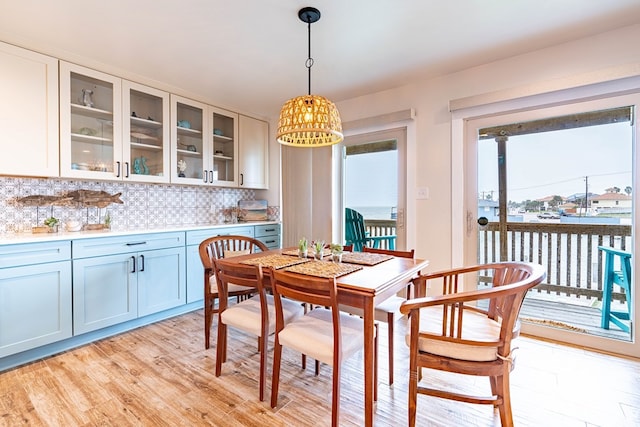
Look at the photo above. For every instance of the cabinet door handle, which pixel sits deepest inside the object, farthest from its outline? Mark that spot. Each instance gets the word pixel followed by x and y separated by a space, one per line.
pixel 205 176
pixel 241 179
pixel 127 169
pixel 136 243
pixel 118 169
pixel 134 264
pixel 142 259
pixel 211 178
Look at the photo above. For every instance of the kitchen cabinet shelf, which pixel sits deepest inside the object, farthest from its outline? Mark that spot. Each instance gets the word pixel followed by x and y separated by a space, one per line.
pixel 221 157
pixel 146 122
pixel 222 138
pixel 90 138
pixel 188 131
pixel 95 113
pixel 145 146
pixel 189 152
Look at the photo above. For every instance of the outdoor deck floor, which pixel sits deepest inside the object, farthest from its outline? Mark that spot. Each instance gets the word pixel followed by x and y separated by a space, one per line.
pixel 583 317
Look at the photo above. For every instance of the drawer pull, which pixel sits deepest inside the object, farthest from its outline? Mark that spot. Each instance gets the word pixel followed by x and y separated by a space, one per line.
pixel 269 229
pixel 136 243
pixel 269 241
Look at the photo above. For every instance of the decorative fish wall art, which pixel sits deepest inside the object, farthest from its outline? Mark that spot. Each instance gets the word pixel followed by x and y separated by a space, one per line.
pixel 90 198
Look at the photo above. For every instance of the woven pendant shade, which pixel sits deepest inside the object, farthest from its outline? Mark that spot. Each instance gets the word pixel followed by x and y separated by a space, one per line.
pixel 309 121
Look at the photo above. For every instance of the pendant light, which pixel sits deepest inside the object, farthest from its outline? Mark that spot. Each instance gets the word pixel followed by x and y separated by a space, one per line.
pixel 309 120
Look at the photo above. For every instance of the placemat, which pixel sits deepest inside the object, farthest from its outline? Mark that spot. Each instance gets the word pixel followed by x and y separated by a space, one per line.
pixel 364 258
pixel 324 269
pixel 276 261
pixel 310 252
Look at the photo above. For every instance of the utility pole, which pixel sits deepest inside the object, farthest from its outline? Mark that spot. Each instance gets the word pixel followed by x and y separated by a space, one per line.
pixel 586 194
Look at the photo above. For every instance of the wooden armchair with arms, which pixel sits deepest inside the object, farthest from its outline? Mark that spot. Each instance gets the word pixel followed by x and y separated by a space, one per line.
pixel 469 332
pixel 219 247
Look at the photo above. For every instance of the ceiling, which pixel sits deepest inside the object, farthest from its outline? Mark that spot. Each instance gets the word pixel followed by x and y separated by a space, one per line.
pixel 250 55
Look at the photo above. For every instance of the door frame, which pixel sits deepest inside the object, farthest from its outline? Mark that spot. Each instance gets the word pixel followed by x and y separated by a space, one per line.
pixel 464 201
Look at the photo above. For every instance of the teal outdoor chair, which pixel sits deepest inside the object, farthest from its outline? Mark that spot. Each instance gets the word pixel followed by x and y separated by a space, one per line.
pixel 356 233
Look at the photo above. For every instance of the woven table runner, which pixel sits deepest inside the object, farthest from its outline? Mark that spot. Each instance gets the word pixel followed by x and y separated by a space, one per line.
pixel 276 261
pixel 364 258
pixel 324 269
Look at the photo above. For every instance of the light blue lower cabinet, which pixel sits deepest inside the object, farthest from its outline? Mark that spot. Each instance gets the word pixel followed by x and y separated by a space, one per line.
pixel 161 280
pixel 105 292
pixel 35 306
pixel 111 289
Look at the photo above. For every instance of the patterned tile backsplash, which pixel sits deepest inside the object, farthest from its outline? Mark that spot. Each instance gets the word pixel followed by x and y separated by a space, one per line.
pixel 146 206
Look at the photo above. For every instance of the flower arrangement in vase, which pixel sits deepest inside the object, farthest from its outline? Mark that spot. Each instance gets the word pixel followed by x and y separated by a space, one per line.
pixel 302 247
pixel 336 252
pixel 318 249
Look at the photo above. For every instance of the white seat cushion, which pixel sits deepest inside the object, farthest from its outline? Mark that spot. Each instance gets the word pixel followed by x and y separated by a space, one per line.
pixel 312 334
pixel 213 285
pixel 476 326
pixel 246 315
pixel 390 305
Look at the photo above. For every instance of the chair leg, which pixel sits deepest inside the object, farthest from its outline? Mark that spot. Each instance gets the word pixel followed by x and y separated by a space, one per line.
pixel 502 386
pixel 335 399
pixel 375 365
pixel 263 366
pixel 275 379
pixel 390 322
pixel 221 347
pixel 317 368
pixel 208 315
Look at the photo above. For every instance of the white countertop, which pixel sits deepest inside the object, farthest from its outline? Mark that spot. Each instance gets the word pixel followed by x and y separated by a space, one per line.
pixel 16 238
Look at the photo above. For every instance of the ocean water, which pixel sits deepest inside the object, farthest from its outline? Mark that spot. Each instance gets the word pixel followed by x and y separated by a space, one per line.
pixel 374 212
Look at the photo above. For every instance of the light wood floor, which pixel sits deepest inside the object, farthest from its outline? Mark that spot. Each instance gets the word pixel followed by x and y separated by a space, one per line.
pixel 160 375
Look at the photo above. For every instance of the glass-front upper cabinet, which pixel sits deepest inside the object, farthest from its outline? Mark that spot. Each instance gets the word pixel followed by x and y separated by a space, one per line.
pixel 223 157
pixel 146 148
pixel 90 123
pixel 189 145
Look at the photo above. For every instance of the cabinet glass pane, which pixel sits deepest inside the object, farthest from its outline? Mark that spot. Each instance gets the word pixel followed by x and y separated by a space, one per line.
pixel 190 141
pixel 146 141
pixel 223 145
pixel 91 124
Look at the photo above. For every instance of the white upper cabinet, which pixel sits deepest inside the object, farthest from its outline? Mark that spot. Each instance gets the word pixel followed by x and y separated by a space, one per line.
pixel 190 142
pixel 90 124
pixel 145 133
pixel 224 157
pixel 28 113
pixel 254 153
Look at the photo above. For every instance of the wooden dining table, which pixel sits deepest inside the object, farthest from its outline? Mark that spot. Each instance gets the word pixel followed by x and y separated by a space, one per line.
pixel 364 289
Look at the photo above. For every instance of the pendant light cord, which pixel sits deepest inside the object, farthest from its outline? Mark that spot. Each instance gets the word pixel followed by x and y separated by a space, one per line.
pixel 309 62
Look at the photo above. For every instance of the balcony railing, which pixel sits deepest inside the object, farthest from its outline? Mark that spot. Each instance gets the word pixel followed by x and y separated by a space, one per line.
pixel 568 251
pixel 380 227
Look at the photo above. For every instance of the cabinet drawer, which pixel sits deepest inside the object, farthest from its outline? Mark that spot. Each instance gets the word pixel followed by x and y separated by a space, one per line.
pixel 195 237
pixel 267 230
pixel 272 242
pixel 124 244
pixel 34 253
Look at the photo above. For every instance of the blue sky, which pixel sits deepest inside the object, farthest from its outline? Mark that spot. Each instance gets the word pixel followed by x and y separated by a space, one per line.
pixel 551 163
pixel 371 179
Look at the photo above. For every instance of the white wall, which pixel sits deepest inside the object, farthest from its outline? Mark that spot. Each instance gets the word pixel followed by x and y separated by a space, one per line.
pixel 431 222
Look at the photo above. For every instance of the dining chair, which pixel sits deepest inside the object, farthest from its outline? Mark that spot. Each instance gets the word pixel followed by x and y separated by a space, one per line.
pixel 251 315
pixel 219 247
pixel 469 330
pixel 356 234
pixel 387 311
pixel 323 333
